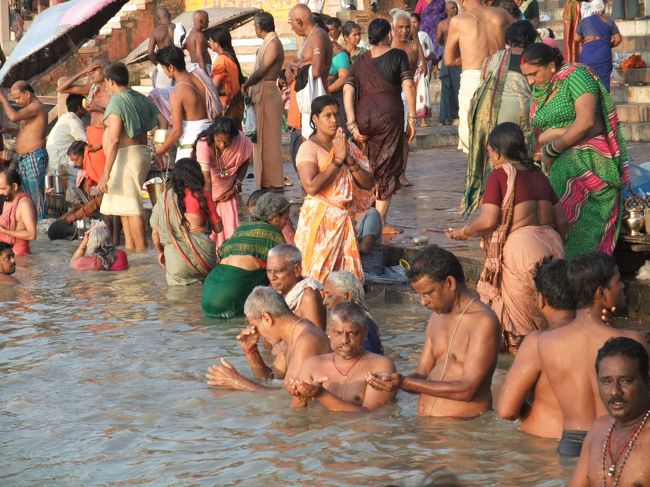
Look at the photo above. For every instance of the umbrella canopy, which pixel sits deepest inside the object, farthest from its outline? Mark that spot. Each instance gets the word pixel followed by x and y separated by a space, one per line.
pixel 49 40
pixel 229 17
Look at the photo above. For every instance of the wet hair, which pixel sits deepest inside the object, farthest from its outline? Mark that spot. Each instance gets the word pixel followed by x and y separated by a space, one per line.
pixel 624 347
pixel 13 177
pixel 290 253
pixel 319 20
pixel 264 299
pixel 437 264
pixel 100 244
pixel 551 281
pixel 221 125
pixel 4 246
pixel 521 34
pixel 509 140
pixel 165 12
pixel 378 30
pixel 318 105
pixel 24 86
pixel 221 35
pixel 171 56
pixel 73 102
pixel 269 206
pixel 397 13
pixel 509 6
pixel 348 312
pixel 417 17
pixel 254 197
pixel 347 282
pixel 187 175
pixel 333 21
pixel 587 273
pixel 348 27
pixel 265 21
pixel 78 148
pixel 117 73
pixel 539 54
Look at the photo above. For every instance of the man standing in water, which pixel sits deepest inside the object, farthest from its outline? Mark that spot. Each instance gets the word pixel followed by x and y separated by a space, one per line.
pixel 525 378
pixel 475 34
pixel 461 343
pixel 196 43
pixel 269 317
pixel 18 218
pixel 617 447
pixel 338 379
pixel 568 353
pixel 7 264
pixel 30 141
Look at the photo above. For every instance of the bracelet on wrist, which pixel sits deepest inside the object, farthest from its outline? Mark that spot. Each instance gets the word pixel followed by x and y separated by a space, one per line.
pixel 337 164
pixel 463 233
pixel 252 351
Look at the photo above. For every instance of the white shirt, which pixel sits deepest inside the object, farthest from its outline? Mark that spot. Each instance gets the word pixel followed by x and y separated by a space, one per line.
pixel 316 6
pixel 66 130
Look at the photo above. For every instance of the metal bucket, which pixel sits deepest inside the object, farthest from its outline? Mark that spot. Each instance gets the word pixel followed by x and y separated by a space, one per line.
pixel 59 184
pixel 49 181
pixel 156 190
pixel 159 136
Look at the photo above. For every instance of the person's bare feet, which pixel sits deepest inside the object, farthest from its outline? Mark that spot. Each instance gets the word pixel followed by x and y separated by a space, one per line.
pixel 404 182
pixel 388 230
pixel 424 123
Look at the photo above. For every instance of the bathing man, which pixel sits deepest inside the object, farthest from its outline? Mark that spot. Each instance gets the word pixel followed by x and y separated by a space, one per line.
pixel 567 354
pixel 475 34
pixel 196 43
pixel 617 447
pixel 30 141
pixel 461 343
pixel 7 264
pixel 165 34
pixel 269 316
pixel 18 218
pixel 128 117
pixel 338 379
pixel 187 103
pixel 543 417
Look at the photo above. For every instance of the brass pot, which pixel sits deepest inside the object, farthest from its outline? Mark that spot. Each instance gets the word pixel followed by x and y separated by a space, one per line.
pixel 633 222
pixel 159 136
pixel 156 190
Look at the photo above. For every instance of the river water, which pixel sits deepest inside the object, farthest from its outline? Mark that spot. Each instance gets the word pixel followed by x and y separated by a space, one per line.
pixel 103 384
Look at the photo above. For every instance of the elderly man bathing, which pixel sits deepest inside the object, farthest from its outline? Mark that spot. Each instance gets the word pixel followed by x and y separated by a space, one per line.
pixel 197 44
pixel 269 317
pixel 30 141
pixel 616 449
pixel 165 34
pixel 128 117
pixel 7 264
pixel 461 342
pixel 302 294
pixel 338 379
pixel 18 218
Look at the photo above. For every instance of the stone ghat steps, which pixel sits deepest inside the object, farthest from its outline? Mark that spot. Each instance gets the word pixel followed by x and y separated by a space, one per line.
pixel 633 112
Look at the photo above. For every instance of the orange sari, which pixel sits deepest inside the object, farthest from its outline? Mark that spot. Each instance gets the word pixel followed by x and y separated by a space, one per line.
pixel 325 233
pixel 227 69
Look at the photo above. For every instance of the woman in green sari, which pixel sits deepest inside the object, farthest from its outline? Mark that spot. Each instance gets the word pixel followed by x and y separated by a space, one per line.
pixel 181 222
pixel 243 259
pixel 583 147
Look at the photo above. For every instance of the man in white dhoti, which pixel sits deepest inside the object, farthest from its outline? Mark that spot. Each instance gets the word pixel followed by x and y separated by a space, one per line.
pixel 165 34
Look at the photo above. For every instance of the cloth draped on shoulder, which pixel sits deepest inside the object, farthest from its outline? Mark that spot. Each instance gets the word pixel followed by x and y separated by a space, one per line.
pixel 500 88
pixel 588 177
pixel 325 233
pixel 294 297
pixel 137 112
pixel 189 257
pixel 160 96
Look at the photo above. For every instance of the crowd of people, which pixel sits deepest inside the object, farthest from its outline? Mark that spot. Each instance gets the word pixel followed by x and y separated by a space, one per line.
pixel 546 164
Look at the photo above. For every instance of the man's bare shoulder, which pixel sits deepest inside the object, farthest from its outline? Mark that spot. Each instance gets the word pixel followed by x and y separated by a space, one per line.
pixel 26 204
pixel 529 343
pixel 498 14
pixel 317 361
pixel 7 280
pixel 379 361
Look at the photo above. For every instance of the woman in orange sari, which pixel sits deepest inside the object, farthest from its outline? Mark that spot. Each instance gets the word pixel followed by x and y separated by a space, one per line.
pixel 334 173
pixel 226 73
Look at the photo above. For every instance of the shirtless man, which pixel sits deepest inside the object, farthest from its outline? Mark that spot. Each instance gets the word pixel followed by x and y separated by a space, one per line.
pixel 338 380
pixel 617 447
pixel 269 316
pixel 567 354
pixel 411 46
pixel 196 43
pixel 316 51
pixel 461 344
pixel 302 294
pixel 449 75
pixel 187 102
pixel 30 141
pixel 18 218
pixel 543 417
pixel 473 35
pixel 443 26
pixel 268 105
pixel 7 264
pixel 161 36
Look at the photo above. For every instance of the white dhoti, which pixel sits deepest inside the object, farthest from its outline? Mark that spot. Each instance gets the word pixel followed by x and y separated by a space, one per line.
pixel 191 130
pixel 159 79
pixel 129 171
pixel 304 97
pixel 470 80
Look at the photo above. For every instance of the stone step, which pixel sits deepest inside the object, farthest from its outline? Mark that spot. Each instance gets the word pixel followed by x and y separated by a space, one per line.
pixel 635 76
pixel 633 44
pixel 637 132
pixel 436 136
pixel 631 94
pixel 628 28
pixel 633 112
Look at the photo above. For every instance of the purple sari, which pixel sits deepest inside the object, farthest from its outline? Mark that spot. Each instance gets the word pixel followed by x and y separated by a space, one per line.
pixel 431 15
pixel 598 54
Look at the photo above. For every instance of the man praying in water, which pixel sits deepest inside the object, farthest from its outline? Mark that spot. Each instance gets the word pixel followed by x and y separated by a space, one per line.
pixel 269 316
pixel 461 343
pixel 338 379
pixel 7 264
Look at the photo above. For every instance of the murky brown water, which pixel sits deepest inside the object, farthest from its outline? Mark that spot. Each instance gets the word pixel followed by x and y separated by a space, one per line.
pixel 103 383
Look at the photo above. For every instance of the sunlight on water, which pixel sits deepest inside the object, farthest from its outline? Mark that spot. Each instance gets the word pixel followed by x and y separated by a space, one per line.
pixel 103 382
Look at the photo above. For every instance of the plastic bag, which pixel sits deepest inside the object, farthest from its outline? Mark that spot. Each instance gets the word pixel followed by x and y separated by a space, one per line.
pixel 249 122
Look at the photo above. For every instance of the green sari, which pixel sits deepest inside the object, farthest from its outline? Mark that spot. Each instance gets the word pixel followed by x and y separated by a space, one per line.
pixel 589 176
pixel 503 96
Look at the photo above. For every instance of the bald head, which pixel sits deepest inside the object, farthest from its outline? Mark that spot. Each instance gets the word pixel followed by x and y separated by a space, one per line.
pixel 163 14
pixel 301 19
pixel 201 19
pixel 22 86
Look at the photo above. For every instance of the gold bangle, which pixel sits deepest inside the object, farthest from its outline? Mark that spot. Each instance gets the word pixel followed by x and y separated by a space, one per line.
pixel 463 233
pixel 337 164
